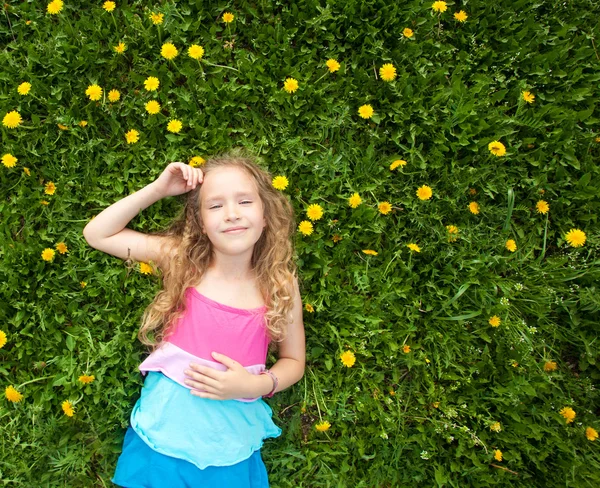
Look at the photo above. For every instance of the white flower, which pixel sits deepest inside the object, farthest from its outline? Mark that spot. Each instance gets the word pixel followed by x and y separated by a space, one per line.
pixel 504 301
pixel 424 455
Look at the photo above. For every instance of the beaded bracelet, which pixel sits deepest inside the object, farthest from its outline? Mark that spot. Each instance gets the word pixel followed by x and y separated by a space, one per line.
pixel 275 383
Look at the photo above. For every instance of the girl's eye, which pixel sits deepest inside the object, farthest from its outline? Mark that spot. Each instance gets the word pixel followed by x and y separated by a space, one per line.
pixel 246 201
pixel 217 206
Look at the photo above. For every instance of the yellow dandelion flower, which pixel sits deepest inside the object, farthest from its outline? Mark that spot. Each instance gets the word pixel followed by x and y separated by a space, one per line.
pixel 348 358
pixel 511 245
pixel 461 16
pixel 83 123
pixel 333 65
pixel 83 284
pixel 387 72
pixel 405 348
pixel 424 192
pixel 354 200
pixel 550 366
pixel 309 308
pixel 336 238
pixel 26 171
pixel 120 48
pixel 9 160
pixel 114 95
pixel 85 379
pixel 145 268
pixel 280 182
pixel 576 237
pixel 62 127
pixel 151 83
pixel 370 252
pixel 496 427
pixel 168 51
pixel 385 208
pixel 195 51
pixel 109 6
pixel 452 229
pixel 474 208
pixel 157 19
pixel 366 111
pixel 67 407
pixel 542 207
pixel 61 247
pixel 228 17
pixel 48 254
pixel 528 96
pixel 323 426
pixel 152 107
pixel 174 125
pixel 494 321
pixel 54 7
pixel 50 188
pixel 498 455
pixel 3 339
pixel 94 92
pixel 305 227
pixel 197 161
pixel 314 211
pixel 413 247
pixel 290 85
pixel 132 136
pixel 12 395
pixel 439 6
pixel 407 32
pixel 591 434
pixel 24 88
pixel 497 148
pixel 568 413
pixel 12 119
pixel 398 162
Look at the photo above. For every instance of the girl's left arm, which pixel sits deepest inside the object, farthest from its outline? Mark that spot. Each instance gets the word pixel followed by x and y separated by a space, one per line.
pixel 289 368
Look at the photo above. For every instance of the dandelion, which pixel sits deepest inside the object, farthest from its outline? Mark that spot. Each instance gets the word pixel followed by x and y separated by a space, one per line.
pixel 354 200
pixel 568 413
pixel 114 95
pixel 413 247
pixel 550 366
pixel 452 233
pixel 496 427
pixel 280 182
pixel 398 162
pixel 50 188
pixel 474 208
pixel 168 51
pixel 83 123
pixel 157 19
pixel 365 111
pixel 591 434
pixel 407 32
pixel 439 6
pixel 336 238
pixel 314 211
pixel 9 160
pixel 494 321
pixel 348 358
pixel 109 6
pixel 151 83
pixel 174 125
pixel 3 339
pixel 67 406
pixel 370 252
pixel 309 308
pixel 511 245
pixel 387 72
pixel 61 247
pixel 385 208
pixel 405 348
pixel 12 119
pixel 197 161
pixel 305 227
pixel 152 107
pixel 12 395
pixel 542 207
pixel 94 92
pixel 528 96
pixel 290 85
pixel 145 268
pixel 424 192
pixel 86 379
pixel 120 48
pixel 576 237
pixel 333 65
pixel 54 7
pixel 228 17
pixel 48 254
pixel 498 455
pixel 24 88
pixel 323 426
pixel 63 127
pixel 83 284
pixel 497 148
pixel 461 16
pixel 132 136
pixel 195 51
pixel 26 171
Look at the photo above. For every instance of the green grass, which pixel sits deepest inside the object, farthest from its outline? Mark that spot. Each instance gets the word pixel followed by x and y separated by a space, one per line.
pixel 458 88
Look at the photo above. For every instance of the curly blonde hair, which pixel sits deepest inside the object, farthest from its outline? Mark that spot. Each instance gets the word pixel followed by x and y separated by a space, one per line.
pixel 191 253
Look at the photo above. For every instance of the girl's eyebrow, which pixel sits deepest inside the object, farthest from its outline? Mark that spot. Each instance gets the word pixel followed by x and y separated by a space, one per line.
pixel 220 197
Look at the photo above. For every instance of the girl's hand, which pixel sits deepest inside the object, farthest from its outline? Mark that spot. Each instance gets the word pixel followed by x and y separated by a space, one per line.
pixel 236 382
pixel 178 178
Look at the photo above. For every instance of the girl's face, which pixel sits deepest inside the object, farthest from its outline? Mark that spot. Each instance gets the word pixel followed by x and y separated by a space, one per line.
pixel 229 200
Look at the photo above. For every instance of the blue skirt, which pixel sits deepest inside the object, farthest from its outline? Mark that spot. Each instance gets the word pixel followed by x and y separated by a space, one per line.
pixel 139 466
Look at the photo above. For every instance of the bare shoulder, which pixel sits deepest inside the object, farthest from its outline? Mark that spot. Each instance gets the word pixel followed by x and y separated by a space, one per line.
pixel 294 344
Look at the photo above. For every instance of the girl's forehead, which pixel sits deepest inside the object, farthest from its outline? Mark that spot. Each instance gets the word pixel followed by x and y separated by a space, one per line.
pixel 220 181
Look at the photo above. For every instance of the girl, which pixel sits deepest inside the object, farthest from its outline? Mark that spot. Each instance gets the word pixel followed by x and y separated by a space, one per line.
pixel 230 292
